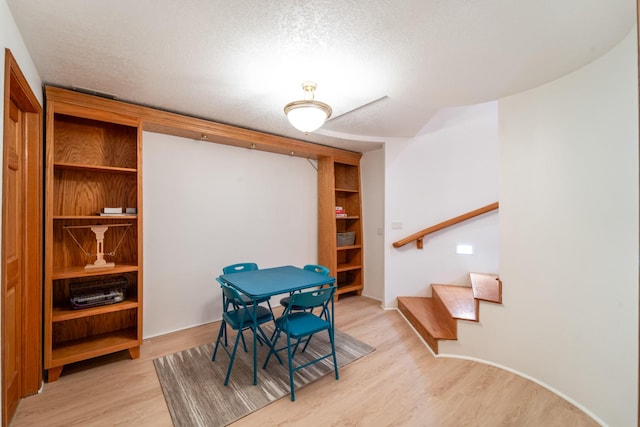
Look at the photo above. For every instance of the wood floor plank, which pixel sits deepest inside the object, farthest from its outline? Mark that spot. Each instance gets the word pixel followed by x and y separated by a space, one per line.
pixel 399 384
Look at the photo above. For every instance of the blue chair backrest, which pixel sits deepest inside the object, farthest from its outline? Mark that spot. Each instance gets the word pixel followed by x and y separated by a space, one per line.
pixel 310 299
pixel 231 295
pixel 317 268
pixel 237 268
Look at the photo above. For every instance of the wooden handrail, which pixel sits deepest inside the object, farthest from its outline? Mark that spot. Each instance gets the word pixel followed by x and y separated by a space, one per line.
pixel 448 223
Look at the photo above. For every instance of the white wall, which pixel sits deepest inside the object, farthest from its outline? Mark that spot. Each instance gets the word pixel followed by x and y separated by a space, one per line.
pixel 11 39
pixel 450 169
pixel 569 237
pixel 372 176
pixel 209 205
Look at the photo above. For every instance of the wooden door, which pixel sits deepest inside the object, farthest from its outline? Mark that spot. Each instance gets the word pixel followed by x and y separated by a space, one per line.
pixel 13 260
pixel 21 256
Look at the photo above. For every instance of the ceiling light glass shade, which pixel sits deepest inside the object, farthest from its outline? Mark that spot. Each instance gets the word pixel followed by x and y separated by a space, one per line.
pixel 307 115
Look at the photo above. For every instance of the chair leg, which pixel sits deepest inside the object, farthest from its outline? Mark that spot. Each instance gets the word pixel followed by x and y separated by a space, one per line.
pixel 221 334
pixel 333 351
pixel 232 358
pixel 289 356
pixel 244 343
pixel 269 343
pixel 272 347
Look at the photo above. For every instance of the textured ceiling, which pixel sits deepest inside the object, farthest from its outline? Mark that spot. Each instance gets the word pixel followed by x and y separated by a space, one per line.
pixel 384 66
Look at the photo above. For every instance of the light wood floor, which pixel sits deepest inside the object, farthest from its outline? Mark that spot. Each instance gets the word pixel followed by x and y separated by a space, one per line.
pixel 399 384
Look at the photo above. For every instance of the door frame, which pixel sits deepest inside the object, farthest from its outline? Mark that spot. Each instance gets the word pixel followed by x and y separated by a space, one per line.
pixel 17 88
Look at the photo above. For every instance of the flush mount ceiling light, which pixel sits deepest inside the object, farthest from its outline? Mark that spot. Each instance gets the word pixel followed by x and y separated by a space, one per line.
pixel 308 114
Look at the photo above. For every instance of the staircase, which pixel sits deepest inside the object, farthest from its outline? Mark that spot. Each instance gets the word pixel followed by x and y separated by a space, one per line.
pixel 436 318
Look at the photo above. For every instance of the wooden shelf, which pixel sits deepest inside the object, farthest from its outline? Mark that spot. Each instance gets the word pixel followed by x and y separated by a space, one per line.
pixel 348 267
pixel 94 168
pixel 60 314
pixel 347 217
pixel 346 248
pixel 97 345
pixel 94 217
pixel 79 271
pixel 346 190
pixel 349 288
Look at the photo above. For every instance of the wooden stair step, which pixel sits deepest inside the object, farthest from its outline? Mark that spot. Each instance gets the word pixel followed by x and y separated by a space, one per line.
pixel 486 287
pixel 436 318
pixel 429 319
pixel 458 301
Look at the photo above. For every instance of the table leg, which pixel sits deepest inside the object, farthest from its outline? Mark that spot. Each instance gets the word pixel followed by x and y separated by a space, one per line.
pixel 255 342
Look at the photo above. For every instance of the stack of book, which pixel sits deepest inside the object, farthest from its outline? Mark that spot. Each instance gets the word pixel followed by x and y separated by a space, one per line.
pixel 118 211
pixel 110 212
pixel 340 212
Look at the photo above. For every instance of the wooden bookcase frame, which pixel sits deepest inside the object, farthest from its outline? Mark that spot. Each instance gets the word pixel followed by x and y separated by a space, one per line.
pixel 93 160
pixel 339 185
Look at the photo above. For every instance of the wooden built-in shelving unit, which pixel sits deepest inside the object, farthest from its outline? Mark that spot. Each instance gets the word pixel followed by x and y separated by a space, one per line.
pixel 339 185
pixel 93 161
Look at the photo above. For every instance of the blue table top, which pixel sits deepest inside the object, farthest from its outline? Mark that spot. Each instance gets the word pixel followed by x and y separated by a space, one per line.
pixel 274 281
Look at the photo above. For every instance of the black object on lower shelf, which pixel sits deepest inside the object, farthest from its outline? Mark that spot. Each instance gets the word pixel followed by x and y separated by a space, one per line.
pixel 97 292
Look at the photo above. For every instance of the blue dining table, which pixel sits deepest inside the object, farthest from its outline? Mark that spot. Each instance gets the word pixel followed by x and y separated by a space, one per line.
pixel 268 282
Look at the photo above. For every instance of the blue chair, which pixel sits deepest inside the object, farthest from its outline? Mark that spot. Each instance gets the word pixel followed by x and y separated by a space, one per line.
pixel 239 319
pixel 300 325
pixel 246 266
pixel 236 304
pixel 284 302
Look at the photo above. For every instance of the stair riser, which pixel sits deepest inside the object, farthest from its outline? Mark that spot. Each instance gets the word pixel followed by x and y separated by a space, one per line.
pixel 422 331
pixel 442 308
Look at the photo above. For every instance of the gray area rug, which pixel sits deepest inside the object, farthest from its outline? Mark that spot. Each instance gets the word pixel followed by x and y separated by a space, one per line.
pixel 193 385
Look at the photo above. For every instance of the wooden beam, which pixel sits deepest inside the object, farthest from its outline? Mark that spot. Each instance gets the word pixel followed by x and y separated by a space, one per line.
pixel 169 123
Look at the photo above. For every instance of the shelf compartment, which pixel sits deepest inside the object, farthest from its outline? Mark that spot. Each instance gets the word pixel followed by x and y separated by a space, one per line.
pixel 97 345
pixel 69 246
pixel 81 328
pixel 84 192
pixel 82 141
pixel 349 278
pixel 349 260
pixel 347 177
pixel 350 202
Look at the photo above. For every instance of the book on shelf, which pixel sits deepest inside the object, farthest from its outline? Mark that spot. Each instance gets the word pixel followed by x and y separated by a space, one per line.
pixel 118 212
pixel 341 215
pixel 115 214
pixel 112 210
